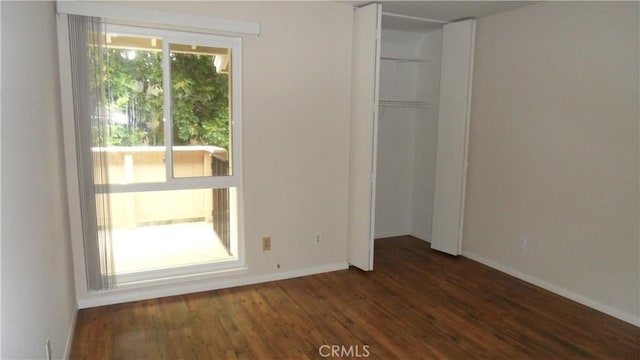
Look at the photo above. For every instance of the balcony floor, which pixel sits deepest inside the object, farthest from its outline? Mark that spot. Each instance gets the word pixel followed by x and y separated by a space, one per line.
pixel 165 246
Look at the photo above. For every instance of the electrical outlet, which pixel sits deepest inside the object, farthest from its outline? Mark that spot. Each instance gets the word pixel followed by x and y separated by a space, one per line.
pixel 266 243
pixel 318 238
pixel 47 349
pixel 522 242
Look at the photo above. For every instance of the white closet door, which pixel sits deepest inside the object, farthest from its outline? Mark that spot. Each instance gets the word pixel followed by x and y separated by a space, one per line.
pixel 364 124
pixel 452 136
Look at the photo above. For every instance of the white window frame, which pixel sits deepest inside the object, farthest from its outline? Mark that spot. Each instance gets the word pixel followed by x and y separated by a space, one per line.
pixel 186 183
pixel 233 181
pixel 170 281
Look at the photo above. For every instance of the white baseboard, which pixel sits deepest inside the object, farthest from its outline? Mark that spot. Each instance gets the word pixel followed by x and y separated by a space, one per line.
pixel 384 236
pixel 72 330
pixel 151 292
pixel 389 234
pixel 425 239
pixel 626 317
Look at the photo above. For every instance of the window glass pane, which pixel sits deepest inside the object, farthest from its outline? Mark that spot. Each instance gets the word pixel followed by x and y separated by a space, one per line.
pixel 168 229
pixel 133 136
pixel 200 99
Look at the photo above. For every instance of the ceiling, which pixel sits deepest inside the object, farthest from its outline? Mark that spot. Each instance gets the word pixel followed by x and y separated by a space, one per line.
pixel 446 10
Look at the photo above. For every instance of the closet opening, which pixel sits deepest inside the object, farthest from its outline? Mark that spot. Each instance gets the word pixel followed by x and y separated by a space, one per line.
pixel 408 130
pixel 410 52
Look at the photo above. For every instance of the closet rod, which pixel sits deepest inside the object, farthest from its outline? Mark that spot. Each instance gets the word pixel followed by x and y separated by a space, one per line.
pixel 415 18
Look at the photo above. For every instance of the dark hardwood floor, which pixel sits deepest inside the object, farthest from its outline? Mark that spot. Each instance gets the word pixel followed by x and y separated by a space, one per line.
pixel 416 304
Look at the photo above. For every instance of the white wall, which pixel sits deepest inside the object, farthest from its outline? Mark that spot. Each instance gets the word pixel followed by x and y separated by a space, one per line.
pixel 37 288
pixel 425 138
pixel 554 150
pixel 296 96
pixel 394 182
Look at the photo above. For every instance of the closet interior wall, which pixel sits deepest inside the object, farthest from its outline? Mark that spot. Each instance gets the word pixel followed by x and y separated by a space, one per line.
pixel 407 124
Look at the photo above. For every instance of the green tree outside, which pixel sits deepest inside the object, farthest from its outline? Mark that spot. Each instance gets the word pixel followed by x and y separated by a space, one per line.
pixel 200 99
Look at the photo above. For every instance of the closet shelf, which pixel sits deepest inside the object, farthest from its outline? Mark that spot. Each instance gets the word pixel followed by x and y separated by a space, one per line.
pixel 402 59
pixel 403 103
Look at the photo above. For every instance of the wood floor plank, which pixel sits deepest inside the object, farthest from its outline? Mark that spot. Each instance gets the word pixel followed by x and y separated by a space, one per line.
pixel 416 304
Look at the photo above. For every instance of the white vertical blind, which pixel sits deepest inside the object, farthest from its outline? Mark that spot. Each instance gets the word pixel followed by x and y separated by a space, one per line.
pixel 86 36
